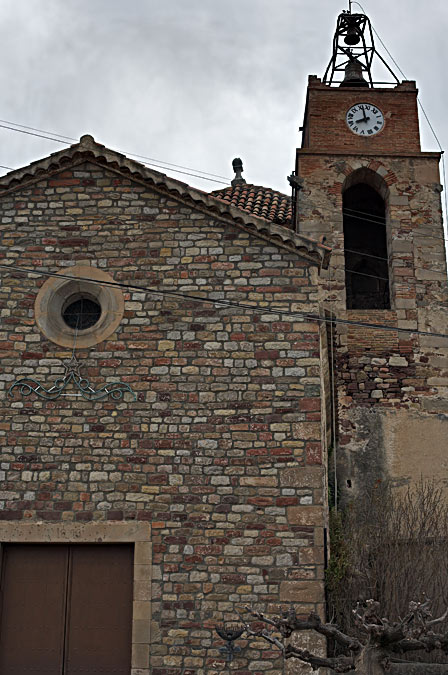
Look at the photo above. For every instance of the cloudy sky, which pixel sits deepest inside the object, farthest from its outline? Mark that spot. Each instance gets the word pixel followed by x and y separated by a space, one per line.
pixel 194 82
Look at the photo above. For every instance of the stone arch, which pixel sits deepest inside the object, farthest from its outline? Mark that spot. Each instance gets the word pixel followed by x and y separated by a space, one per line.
pixel 370 177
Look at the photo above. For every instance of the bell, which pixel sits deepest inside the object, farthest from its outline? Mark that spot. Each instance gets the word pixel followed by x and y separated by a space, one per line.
pixel 353 75
pixel 352 38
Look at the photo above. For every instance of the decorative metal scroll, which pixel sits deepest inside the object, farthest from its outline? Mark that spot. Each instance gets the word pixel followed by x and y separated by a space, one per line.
pixel 28 385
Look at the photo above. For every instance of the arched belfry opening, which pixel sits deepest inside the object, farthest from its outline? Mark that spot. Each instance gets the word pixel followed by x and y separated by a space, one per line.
pixel 365 246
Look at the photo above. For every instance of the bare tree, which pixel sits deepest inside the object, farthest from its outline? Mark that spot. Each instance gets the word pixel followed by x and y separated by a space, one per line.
pixel 381 650
pixel 392 546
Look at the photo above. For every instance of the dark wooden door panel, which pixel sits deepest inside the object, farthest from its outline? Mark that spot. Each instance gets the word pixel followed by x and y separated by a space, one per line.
pixel 100 610
pixel 33 609
pixel 66 610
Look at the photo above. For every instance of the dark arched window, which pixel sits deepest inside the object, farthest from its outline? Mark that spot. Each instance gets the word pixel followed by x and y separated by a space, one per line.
pixel 365 244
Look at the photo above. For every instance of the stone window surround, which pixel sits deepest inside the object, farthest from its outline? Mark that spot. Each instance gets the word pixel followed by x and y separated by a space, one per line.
pixel 54 294
pixel 138 534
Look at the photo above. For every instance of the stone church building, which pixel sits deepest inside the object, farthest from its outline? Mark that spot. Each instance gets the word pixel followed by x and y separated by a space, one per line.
pixel 181 372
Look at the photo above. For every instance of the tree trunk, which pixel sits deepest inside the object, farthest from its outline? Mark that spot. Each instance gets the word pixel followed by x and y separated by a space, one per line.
pixel 369 662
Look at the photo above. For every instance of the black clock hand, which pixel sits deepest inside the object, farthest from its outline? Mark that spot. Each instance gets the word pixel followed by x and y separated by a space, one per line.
pixel 363 119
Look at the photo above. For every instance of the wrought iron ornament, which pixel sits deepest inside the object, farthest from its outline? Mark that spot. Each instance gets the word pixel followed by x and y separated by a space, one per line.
pixel 28 385
pixel 230 633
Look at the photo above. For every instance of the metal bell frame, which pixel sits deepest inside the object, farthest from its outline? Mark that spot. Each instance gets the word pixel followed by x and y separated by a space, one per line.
pixel 350 26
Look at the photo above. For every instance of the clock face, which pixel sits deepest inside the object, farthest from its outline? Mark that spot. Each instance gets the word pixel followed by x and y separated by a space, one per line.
pixel 365 119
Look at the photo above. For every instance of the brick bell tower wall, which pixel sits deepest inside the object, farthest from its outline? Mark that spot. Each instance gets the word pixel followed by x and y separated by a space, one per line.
pixel 391 387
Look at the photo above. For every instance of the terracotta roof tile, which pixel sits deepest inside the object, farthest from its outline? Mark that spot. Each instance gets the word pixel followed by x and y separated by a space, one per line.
pixel 258 200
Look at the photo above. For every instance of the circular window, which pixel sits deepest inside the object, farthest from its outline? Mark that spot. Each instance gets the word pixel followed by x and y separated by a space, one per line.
pixel 81 313
pixel 81 310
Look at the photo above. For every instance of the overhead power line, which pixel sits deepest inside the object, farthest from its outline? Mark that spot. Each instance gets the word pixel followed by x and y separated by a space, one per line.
pixel 34 131
pixel 338 250
pixel 226 303
pixel 124 152
pixel 352 213
pixel 149 161
pixel 368 255
pixel 422 109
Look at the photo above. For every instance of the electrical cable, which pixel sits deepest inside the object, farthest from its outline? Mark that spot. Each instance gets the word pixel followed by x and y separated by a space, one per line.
pixel 124 152
pixel 350 212
pixel 151 162
pixel 33 131
pixel 225 303
pixel 42 131
pixel 377 220
pixel 39 133
pixel 364 274
pixel 368 255
pixel 422 109
pixel 333 398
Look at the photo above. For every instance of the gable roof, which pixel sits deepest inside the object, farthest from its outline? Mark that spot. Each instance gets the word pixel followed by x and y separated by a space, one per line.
pixel 89 150
pixel 258 200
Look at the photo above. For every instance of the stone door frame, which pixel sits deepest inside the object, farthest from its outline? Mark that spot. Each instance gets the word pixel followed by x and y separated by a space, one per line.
pixel 138 534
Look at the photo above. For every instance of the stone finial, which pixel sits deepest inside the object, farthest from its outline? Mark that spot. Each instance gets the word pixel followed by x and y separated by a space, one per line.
pixel 87 140
pixel 238 169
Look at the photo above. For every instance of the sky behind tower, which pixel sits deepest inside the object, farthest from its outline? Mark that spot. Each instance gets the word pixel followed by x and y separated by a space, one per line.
pixel 195 82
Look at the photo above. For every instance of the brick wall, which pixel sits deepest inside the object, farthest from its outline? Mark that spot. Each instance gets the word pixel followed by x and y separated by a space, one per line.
pixel 221 452
pixel 326 129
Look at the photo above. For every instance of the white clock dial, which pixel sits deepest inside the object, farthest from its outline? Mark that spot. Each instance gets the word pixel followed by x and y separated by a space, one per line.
pixel 365 119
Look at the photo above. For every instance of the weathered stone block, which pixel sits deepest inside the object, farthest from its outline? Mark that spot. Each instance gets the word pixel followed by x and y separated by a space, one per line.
pixel 301 591
pixel 306 515
pixel 307 430
pixel 302 477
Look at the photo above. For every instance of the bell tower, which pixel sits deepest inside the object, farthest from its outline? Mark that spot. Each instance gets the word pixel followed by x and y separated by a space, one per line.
pixel 365 186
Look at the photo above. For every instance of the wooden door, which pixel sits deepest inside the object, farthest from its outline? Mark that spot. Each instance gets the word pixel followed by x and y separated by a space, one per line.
pixel 66 609
pixel 98 632
pixel 33 609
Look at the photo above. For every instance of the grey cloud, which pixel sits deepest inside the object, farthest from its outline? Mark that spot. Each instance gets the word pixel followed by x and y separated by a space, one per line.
pixel 194 82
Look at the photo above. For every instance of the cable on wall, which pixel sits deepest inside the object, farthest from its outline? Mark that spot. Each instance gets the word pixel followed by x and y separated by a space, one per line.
pixel 226 303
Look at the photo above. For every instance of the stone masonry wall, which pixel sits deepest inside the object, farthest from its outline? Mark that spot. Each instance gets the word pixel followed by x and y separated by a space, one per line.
pixel 221 452
pixel 392 411
pixel 390 387
pixel 381 375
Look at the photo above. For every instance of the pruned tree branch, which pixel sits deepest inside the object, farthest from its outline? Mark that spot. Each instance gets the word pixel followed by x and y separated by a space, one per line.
pixel 289 622
pixel 440 619
pixel 339 664
pixel 384 638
